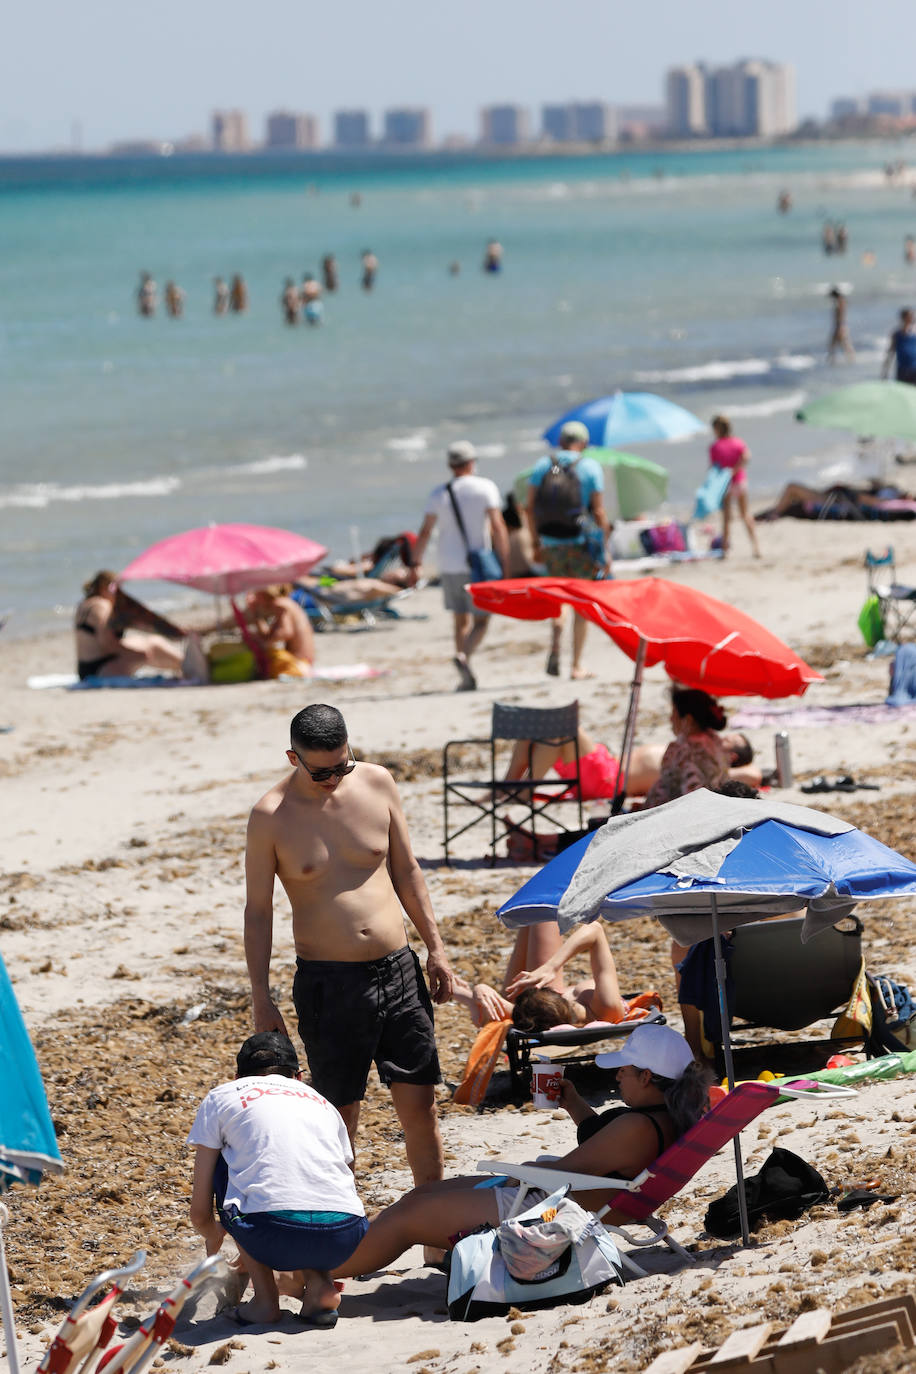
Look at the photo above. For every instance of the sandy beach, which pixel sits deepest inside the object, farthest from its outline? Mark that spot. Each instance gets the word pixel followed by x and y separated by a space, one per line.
pixel 121 926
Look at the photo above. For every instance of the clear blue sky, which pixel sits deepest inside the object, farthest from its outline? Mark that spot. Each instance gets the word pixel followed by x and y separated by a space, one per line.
pixel 129 70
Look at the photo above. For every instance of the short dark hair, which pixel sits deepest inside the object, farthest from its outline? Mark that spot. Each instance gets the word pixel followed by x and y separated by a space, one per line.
pixel 267 1052
pixel 538 1009
pixel 318 727
pixel 743 753
pixel 706 711
pixel 734 787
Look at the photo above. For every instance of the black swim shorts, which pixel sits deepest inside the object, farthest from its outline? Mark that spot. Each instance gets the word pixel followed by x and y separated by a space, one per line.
pixel 353 1013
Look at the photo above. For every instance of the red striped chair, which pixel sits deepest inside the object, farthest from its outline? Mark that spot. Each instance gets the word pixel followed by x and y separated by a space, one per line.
pixel 638 1199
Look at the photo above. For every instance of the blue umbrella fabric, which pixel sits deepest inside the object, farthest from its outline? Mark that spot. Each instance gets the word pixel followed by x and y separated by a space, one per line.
pixel 756 858
pixel 630 417
pixel 28 1145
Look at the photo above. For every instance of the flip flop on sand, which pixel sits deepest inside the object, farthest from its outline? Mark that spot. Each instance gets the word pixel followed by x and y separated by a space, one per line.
pixel 322 1319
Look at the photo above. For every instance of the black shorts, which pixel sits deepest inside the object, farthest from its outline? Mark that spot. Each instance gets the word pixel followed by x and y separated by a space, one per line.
pixel 353 1013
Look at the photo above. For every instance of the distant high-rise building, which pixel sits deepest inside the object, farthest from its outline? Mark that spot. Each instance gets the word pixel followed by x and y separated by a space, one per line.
pixel 593 122
pixel 846 107
pixel 751 98
pixel 285 130
pixel 685 102
pixel 504 125
pixel 351 129
pixel 897 104
pixel 557 123
pixel 229 131
pixel 408 128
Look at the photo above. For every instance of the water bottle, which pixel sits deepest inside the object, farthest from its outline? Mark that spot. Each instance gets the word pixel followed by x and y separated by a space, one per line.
pixel 783 759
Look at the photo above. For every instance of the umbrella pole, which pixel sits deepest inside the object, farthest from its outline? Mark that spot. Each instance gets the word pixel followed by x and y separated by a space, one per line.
pixel 629 731
pixel 729 1063
pixel 6 1300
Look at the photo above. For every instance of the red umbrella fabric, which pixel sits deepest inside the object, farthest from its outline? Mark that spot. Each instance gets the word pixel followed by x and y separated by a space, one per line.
pixel 701 642
pixel 226 559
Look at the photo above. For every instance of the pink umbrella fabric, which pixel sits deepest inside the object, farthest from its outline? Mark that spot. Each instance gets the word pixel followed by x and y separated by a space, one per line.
pixel 701 641
pixel 226 559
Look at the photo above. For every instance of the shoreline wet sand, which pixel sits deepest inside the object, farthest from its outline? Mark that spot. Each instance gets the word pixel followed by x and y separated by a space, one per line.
pixel 121 924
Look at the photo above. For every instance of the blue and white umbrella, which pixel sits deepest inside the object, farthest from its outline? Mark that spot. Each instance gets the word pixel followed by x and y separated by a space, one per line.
pixel 629 417
pixel 704 857
pixel 28 1145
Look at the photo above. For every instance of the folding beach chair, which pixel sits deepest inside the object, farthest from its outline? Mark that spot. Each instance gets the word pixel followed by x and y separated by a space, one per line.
pixel 557 725
pixel 142 1347
pixel 519 1043
pixel 86 1331
pixel 896 600
pixel 637 1200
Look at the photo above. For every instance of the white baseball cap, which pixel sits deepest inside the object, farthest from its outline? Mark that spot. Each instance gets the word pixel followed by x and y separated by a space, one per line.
pixel 661 1049
pixel 460 452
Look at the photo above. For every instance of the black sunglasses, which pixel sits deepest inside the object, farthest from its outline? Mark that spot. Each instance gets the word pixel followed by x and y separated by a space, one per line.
pixel 339 770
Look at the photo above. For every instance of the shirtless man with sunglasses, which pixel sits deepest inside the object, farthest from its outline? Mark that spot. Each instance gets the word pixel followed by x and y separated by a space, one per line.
pixel 334 833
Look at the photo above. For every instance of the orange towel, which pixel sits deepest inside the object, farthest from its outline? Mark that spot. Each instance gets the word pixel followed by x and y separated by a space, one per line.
pixel 482 1061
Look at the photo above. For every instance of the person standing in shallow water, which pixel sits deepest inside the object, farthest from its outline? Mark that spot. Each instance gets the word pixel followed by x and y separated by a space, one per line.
pixel 329 272
pixel 728 451
pixel 334 833
pixel 220 296
pixel 238 295
pixel 146 296
pixel 370 269
pixel 839 336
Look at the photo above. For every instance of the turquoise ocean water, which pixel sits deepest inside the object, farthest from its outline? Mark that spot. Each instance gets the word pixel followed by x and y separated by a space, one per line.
pixel 668 272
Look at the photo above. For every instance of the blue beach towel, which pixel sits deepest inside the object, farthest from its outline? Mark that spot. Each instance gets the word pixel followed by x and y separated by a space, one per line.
pixel 711 494
pixel 903 677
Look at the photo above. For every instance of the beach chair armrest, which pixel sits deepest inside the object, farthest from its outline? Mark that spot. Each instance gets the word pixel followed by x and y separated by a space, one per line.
pixel 658 1229
pixel 819 1090
pixel 555 1178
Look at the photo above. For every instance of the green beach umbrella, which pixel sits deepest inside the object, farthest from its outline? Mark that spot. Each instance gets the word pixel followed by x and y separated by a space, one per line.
pixel 636 484
pixel 877 410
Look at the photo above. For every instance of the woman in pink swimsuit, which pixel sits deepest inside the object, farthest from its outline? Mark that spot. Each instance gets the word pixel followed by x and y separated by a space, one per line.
pixel 730 452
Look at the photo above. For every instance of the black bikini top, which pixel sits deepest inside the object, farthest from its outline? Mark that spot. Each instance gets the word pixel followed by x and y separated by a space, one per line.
pixel 591 1124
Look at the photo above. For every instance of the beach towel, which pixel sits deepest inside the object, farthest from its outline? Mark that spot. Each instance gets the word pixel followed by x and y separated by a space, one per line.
pixel 856 713
pixel 482 1061
pixel 711 494
pixel 903 677
pixel 341 672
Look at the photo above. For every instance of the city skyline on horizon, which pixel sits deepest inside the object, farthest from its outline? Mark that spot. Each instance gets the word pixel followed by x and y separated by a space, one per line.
pixel 110 79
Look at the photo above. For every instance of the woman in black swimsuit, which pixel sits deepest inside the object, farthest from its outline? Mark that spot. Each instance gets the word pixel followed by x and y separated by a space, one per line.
pixel 664 1090
pixel 103 622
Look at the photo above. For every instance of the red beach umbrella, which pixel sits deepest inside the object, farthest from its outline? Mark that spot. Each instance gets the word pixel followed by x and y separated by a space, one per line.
pixel 702 642
pixel 226 559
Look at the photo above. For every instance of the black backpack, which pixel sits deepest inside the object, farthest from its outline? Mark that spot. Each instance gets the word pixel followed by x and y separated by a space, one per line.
pixel 558 501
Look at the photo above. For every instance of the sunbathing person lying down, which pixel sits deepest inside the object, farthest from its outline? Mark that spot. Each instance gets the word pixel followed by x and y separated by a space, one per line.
pixel 664 1091
pixel 537 998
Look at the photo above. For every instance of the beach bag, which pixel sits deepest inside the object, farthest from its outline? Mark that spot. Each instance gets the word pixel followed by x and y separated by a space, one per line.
pixel 558 501
pixel 871 622
pixel 480 1283
pixel 786 1186
pixel 483 564
pixel 231 661
pixel 667 538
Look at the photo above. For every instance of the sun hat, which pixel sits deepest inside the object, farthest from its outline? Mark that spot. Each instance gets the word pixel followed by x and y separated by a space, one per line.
pixel 660 1049
pixel 575 432
pixel 266 1050
pixel 460 452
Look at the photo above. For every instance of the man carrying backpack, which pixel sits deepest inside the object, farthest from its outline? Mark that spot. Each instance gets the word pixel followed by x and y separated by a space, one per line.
pixel 569 527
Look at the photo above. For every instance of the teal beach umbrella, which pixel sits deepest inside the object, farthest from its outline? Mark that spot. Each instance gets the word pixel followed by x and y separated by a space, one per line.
pixel 636 484
pixel 876 410
pixel 28 1144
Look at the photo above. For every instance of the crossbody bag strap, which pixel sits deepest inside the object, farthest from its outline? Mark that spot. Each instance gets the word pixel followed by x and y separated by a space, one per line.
pixel 460 522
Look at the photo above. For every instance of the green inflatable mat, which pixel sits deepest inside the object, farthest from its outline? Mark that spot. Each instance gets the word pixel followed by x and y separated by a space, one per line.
pixel 885 1067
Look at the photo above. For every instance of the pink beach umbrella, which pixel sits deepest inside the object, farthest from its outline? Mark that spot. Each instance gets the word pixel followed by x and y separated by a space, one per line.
pixel 226 559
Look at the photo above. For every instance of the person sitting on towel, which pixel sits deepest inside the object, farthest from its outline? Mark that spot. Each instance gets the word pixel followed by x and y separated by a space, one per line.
pixel 276 1157
pixel 115 636
pixel 282 632
pixel 664 1091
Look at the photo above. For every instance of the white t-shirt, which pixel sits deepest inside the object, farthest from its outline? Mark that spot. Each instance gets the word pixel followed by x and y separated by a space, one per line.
pixel 286 1146
pixel 475 496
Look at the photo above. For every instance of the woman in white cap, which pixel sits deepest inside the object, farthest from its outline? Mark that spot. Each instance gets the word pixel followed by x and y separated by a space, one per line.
pixel 664 1091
